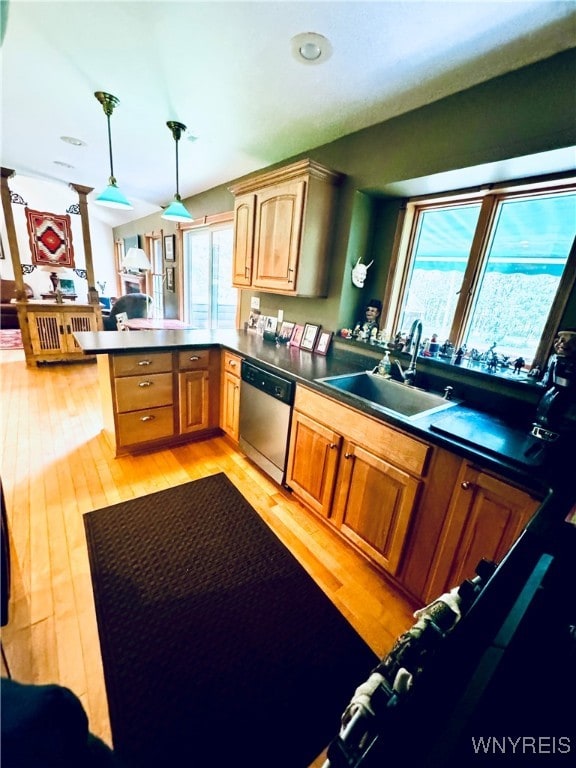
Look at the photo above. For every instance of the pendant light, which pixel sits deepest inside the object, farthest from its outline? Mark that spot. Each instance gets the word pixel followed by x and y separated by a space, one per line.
pixel 111 196
pixel 176 210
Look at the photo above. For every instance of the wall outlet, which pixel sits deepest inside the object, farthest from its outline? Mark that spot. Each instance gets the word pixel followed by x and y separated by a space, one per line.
pixel 254 302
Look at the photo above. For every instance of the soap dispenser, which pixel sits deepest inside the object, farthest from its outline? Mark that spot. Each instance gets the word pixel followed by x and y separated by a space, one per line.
pixel 385 366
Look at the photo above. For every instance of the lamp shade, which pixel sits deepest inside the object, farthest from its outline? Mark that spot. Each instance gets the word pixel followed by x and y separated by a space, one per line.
pixel 136 258
pixel 113 198
pixel 176 212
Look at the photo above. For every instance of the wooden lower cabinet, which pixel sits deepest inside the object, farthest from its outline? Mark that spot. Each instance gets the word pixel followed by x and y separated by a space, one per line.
pixel 49 329
pixel 374 504
pixel 417 511
pixel 368 499
pixel 194 401
pixel 152 399
pixel 230 394
pixel 485 517
pixel 313 462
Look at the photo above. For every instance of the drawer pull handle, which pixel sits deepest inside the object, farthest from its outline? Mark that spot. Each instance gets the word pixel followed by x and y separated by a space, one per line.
pixel 144 362
pixel 466 485
pixel 194 358
pixel 147 418
pixel 145 383
pixel 232 364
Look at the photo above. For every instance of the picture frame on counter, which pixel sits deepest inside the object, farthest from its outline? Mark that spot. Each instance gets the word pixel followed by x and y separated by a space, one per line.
pixel 169 253
pixel 286 330
pixel 323 342
pixel 309 336
pixel 296 337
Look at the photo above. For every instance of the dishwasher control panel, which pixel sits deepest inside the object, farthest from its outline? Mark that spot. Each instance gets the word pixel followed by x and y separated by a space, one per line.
pixel 276 386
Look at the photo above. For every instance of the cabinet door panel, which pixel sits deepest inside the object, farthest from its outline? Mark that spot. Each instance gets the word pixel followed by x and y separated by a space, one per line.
pixel 194 401
pixel 485 517
pixel 78 323
pixel 312 462
pixel 230 404
pixel 244 208
pixel 45 332
pixel 374 505
pixel 278 229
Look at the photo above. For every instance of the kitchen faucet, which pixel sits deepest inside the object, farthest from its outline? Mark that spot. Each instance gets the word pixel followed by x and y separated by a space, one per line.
pixel 409 375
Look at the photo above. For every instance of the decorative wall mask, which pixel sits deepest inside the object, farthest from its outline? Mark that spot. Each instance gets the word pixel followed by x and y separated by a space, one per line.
pixel 359 272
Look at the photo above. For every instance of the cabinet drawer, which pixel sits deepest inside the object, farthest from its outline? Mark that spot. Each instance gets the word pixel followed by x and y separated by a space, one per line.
pixel 137 392
pixel 142 426
pixel 130 365
pixel 402 450
pixel 232 363
pixel 193 358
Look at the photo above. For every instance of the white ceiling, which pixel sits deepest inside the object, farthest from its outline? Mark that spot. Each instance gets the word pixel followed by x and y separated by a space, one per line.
pixel 225 69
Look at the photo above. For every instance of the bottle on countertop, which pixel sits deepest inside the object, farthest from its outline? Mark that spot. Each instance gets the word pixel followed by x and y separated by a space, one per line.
pixel 385 366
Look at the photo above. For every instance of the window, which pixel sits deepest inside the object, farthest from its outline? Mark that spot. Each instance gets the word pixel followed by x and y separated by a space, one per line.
pixel 484 271
pixel 210 301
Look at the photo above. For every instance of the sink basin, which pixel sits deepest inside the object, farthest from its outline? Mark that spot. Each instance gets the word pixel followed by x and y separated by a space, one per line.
pixel 388 395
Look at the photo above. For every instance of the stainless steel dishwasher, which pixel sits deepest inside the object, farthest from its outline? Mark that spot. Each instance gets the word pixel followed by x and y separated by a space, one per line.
pixel 265 410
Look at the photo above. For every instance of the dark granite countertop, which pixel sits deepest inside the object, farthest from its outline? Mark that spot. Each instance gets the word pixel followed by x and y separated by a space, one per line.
pixel 478 436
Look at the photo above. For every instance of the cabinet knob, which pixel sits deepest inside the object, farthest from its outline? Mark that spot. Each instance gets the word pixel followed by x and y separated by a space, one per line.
pixel 145 384
pixel 147 418
pixel 232 364
pixel 466 485
pixel 332 446
pixel 144 362
pixel 348 455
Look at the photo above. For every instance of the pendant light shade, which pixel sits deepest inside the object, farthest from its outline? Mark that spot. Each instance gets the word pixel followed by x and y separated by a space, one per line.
pixel 111 196
pixel 176 210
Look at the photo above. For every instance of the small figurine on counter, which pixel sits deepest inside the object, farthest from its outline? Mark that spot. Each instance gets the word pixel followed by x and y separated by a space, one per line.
pixel 434 346
pixel 519 364
pixel 367 328
pixel 459 355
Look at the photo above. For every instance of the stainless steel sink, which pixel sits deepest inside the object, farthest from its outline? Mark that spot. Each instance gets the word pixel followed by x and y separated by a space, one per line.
pixel 388 395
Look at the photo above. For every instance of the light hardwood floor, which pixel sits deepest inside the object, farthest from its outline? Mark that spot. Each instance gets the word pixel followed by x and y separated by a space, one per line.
pixel 55 466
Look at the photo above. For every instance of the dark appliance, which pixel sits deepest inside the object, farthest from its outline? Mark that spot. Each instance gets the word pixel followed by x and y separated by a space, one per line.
pixel 487 675
pixel 556 411
pixel 265 411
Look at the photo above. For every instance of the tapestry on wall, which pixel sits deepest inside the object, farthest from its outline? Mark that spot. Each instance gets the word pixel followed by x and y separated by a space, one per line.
pixel 50 239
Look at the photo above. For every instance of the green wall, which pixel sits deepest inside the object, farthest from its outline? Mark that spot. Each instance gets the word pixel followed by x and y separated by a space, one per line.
pixel 529 111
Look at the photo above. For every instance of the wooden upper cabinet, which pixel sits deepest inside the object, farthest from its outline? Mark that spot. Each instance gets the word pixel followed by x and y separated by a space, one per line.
pixel 283 226
pixel 279 215
pixel 244 208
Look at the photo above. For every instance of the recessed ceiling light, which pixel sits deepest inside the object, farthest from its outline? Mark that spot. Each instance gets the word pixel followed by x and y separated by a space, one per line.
pixel 73 141
pixel 64 165
pixel 311 48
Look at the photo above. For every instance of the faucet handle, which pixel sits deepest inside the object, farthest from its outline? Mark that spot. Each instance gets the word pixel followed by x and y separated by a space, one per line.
pixel 448 392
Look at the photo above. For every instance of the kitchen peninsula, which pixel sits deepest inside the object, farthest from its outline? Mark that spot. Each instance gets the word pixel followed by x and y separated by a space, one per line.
pixel 447 502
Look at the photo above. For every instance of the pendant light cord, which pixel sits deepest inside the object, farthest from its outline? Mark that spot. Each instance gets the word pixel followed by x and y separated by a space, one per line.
pixel 177 180
pixel 112 179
